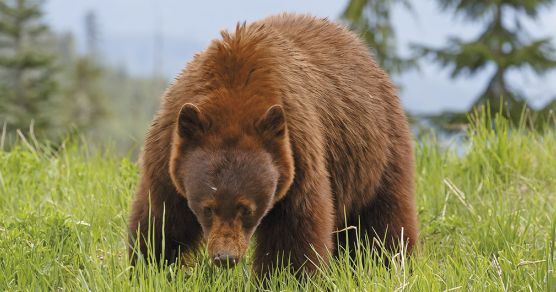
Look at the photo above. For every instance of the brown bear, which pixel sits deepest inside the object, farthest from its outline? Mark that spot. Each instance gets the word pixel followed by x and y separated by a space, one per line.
pixel 285 129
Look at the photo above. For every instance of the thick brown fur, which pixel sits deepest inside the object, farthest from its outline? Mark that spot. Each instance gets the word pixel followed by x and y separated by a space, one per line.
pixel 343 156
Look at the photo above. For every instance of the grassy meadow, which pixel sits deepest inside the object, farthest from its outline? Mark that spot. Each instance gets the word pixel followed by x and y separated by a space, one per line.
pixel 487 217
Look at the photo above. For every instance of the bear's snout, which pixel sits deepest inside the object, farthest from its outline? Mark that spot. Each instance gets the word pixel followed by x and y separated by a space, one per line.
pixel 226 242
pixel 224 252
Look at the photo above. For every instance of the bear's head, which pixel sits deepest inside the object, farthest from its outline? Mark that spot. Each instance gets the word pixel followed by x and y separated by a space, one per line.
pixel 231 171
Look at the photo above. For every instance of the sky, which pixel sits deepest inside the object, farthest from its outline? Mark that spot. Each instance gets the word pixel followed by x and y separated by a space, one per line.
pixel 134 33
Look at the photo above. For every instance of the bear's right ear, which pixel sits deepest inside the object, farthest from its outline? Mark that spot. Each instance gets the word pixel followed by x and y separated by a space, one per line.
pixel 191 121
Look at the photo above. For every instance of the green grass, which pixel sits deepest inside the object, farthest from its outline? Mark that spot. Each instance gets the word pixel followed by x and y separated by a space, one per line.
pixel 488 223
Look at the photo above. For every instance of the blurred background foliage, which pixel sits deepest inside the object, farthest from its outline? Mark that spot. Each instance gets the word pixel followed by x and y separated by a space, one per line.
pixel 49 86
pixel 503 43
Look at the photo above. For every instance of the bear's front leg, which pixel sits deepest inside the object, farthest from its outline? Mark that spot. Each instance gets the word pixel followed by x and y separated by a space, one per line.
pixel 173 227
pixel 297 232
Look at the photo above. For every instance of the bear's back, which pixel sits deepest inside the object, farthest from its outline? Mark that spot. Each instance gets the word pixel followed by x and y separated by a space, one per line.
pixel 360 117
pixel 323 42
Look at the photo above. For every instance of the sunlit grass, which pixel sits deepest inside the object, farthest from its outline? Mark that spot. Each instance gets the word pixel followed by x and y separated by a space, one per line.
pixel 488 222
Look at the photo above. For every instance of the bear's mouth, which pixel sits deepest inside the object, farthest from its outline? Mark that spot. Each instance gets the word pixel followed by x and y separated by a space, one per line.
pixel 225 260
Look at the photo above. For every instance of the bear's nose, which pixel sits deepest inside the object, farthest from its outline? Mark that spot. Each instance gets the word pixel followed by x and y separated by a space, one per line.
pixel 225 260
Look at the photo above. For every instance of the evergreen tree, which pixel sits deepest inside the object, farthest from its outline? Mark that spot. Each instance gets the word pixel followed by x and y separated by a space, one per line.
pixel 27 84
pixel 87 105
pixel 500 45
pixel 91 33
pixel 372 19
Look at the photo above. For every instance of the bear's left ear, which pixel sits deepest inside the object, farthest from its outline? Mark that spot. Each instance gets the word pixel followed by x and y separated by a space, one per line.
pixel 273 122
pixel 191 121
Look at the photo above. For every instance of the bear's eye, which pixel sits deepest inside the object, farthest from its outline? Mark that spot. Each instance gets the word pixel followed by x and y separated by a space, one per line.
pixel 207 211
pixel 245 211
